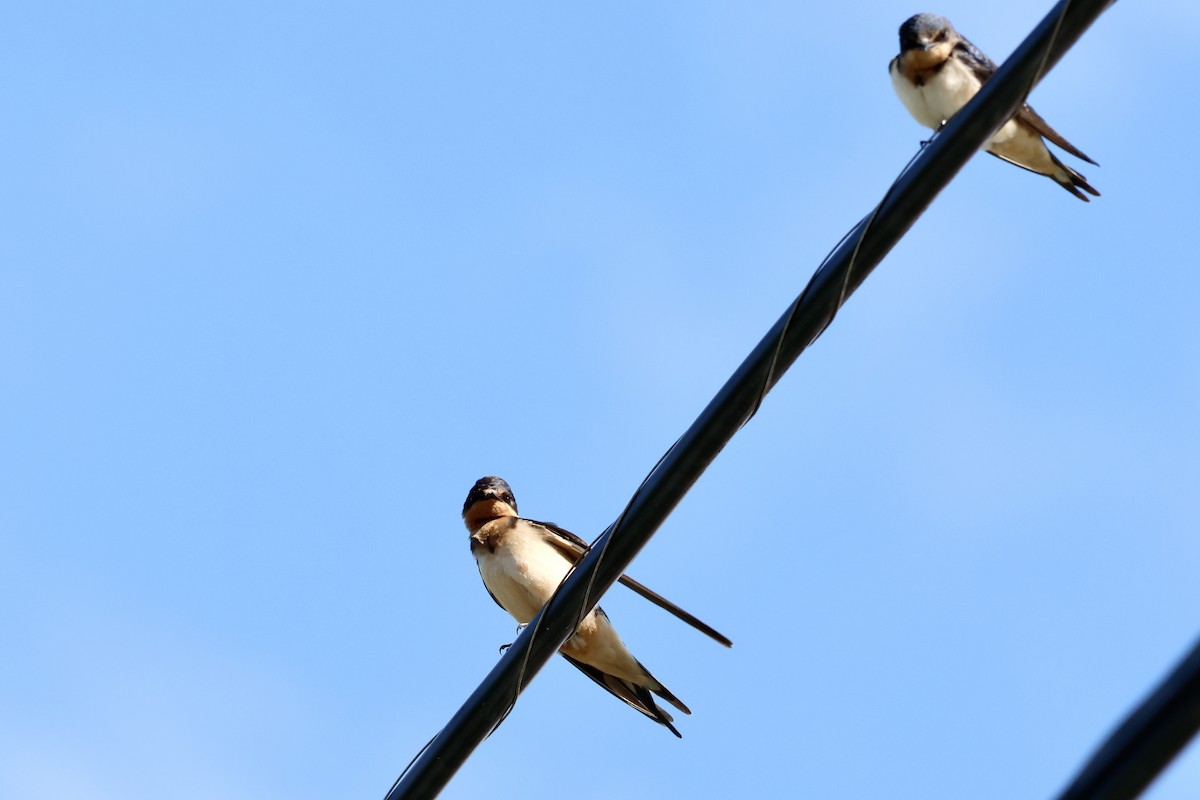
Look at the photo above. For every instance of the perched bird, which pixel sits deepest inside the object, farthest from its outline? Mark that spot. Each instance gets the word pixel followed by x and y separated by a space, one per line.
pixel 938 71
pixel 522 562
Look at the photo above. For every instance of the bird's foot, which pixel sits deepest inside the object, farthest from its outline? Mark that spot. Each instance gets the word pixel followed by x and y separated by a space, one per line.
pixel 520 628
pixel 936 131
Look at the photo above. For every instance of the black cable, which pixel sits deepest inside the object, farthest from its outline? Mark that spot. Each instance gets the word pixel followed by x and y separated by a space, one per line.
pixel 841 274
pixel 1149 738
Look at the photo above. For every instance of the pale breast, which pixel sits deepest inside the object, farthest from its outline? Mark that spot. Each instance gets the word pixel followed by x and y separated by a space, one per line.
pixel 521 571
pixel 910 95
pixel 941 95
pixel 951 89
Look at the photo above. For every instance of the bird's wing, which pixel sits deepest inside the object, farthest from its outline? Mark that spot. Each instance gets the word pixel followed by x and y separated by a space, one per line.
pixel 573 548
pixel 636 696
pixel 1034 120
pixel 671 608
pixel 565 542
pixel 983 68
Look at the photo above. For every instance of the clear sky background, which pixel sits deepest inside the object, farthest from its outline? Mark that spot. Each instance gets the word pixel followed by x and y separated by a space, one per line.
pixel 279 281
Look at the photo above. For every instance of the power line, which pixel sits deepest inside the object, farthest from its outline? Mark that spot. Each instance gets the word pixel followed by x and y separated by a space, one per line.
pixel 851 261
pixel 1149 739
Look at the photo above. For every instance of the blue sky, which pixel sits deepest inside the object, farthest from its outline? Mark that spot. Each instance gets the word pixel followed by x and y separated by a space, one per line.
pixel 280 281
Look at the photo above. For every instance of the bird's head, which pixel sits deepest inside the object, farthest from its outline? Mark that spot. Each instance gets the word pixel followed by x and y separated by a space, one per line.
pixel 489 498
pixel 925 32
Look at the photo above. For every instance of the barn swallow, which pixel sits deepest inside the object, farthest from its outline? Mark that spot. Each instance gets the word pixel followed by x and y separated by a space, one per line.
pixel 522 562
pixel 938 71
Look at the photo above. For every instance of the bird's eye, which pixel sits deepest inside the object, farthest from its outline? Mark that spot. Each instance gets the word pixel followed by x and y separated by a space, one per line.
pixel 941 36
